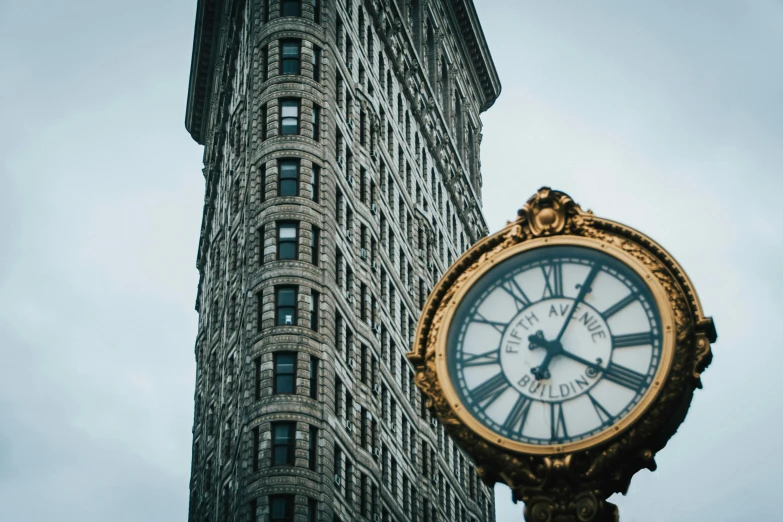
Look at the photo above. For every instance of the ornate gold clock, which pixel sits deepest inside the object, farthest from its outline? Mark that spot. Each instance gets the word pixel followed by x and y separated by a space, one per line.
pixel 562 353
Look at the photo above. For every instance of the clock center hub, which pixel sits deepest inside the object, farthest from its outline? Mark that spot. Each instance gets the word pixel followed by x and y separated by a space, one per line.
pixel 545 368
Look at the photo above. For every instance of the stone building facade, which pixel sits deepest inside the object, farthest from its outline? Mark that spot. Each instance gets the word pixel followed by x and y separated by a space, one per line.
pixel 342 174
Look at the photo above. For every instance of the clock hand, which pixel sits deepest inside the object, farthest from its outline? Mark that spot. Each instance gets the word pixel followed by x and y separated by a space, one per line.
pixel 583 290
pixel 538 341
pixel 541 371
pixel 552 348
pixel 595 366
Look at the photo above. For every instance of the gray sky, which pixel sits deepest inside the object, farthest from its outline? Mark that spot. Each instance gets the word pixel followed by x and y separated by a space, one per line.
pixel 664 115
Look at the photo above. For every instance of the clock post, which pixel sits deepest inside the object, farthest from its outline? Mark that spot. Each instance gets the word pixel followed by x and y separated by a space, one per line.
pixel 562 353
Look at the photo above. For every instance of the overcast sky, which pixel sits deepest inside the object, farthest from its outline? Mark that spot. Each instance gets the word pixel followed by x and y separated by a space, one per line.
pixel 664 115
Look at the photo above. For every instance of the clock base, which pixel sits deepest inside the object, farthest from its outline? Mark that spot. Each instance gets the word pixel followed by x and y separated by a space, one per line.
pixel 585 507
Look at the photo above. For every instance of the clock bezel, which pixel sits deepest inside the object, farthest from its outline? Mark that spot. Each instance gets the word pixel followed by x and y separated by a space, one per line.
pixel 648 398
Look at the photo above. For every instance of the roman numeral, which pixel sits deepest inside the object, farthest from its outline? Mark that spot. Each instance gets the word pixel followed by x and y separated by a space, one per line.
pixel 500 327
pixel 518 415
pixel 603 415
pixel 481 359
pixel 625 377
pixel 619 305
pixel 553 280
pixel 513 289
pixel 488 392
pixel 636 339
pixel 557 421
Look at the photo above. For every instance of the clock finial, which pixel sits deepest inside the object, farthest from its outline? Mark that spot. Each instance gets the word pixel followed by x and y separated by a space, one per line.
pixel 549 211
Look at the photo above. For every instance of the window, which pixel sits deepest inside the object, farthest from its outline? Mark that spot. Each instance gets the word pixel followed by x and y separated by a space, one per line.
pixel 225 502
pixel 338 397
pixel 338 461
pixel 227 439
pixel 373 498
pixel 312 510
pixel 363 426
pixel 289 56
pixel 291 8
pixel 444 90
pixel 287 232
pixel 363 495
pixel 289 117
pixel 363 186
pixel 313 448
pixel 285 305
pixel 314 244
pixel 315 184
pixel 338 331
pixel 314 304
pixel 256 440
pixel 348 481
pixel 316 63
pixel 317 11
pixel 405 492
pixel 232 309
pixel 253 510
pixel 348 344
pixel 313 377
pixel 362 127
pixel 458 124
pixel 283 438
pixel 363 302
pixel 281 508
pixel 316 124
pixel 288 171
pixel 285 372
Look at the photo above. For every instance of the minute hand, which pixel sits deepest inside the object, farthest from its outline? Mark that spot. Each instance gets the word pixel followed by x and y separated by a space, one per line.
pixel 580 296
pixel 594 366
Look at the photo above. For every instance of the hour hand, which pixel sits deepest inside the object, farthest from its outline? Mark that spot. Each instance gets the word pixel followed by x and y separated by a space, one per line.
pixel 538 341
pixel 541 371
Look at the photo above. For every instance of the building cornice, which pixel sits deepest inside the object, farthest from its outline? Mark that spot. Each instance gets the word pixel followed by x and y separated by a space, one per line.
pixel 205 51
pixel 477 47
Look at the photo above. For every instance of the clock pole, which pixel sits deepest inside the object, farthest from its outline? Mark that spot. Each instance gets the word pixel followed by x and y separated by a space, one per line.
pixel 568 476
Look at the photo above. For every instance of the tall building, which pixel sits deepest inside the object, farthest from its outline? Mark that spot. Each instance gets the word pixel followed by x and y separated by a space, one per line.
pixel 342 174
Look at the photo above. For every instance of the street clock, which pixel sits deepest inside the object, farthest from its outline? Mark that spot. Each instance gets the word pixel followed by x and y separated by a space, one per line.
pixel 562 353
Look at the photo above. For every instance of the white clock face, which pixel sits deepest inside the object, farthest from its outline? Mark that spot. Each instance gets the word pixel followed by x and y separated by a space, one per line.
pixel 554 345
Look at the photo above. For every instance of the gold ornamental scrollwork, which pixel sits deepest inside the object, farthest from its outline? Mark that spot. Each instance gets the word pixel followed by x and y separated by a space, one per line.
pixel 570 483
